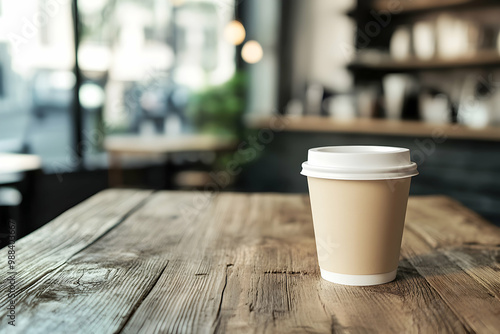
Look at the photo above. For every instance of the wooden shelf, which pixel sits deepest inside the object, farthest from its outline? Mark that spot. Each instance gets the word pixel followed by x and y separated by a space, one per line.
pixel 423 6
pixel 418 7
pixel 379 127
pixel 481 59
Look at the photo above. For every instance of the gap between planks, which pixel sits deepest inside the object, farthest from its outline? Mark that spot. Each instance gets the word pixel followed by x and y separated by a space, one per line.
pixel 120 221
pixel 142 298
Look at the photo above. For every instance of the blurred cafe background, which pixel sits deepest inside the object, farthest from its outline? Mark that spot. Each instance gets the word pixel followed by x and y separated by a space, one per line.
pixel 228 95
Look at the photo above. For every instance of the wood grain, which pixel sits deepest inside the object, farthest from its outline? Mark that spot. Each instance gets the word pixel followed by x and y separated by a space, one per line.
pixel 50 246
pixel 185 262
pixel 281 290
pixel 460 263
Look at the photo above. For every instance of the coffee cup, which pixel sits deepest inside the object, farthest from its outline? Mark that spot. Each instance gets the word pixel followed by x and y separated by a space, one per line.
pixel 358 200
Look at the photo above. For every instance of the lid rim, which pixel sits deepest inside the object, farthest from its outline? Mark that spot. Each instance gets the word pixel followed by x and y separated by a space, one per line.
pixel 359 162
pixel 355 170
pixel 367 178
pixel 367 149
pixel 360 177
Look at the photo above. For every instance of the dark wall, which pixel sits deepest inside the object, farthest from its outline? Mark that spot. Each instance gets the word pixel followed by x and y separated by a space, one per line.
pixel 49 195
pixel 468 171
pixel 46 196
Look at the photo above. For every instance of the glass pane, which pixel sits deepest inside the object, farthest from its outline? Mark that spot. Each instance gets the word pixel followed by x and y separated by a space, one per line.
pixel 36 80
pixel 141 62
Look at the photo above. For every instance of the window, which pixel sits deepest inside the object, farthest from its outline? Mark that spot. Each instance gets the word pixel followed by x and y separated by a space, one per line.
pixel 138 62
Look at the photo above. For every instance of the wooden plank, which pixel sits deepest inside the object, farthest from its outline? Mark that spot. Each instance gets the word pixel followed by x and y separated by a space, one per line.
pixel 482 263
pixel 191 288
pixel 50 246
pixel 471 301
pixel 457 253
pixel 259 263
pixel 90 296
pixel 185 262
pixel 100 286
pixel 104 283
pixel 379 126
pixel 316 305
pixel 299 300
pixel 443 222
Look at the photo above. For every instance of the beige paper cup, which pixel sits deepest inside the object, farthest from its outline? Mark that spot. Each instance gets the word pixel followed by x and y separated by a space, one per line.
pixel 358 199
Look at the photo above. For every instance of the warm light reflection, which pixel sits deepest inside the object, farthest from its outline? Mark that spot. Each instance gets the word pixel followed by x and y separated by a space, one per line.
pixel 234 32
pixel 177 3
pixel 252 52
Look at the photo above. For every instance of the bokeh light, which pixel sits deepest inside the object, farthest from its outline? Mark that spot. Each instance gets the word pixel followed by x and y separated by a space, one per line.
pixel 234 32
pixel 177 3
pixel 252 52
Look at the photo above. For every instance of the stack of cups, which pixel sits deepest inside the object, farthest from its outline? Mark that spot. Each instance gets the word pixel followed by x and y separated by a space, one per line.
pixel 358 200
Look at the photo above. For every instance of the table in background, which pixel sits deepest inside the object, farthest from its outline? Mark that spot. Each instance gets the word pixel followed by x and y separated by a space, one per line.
pixel 15 199
pixel 135 261
pixel 16 163
pixel 118 146
pixel 12 167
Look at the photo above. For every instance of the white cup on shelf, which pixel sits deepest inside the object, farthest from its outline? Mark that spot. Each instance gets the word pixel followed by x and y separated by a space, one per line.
pixel 400 45
pixel 455 37
pixel 424 40
pixel 435 109
pixel 395 87
pixel 340 106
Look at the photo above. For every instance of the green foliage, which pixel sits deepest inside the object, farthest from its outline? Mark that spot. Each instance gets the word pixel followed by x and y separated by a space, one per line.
pixel 219 110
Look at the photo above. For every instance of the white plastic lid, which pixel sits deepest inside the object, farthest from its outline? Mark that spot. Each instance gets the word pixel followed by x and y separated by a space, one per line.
pixel 359 163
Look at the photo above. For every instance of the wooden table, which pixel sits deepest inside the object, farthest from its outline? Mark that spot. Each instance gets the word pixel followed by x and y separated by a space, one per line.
pixel 16 163
pixel 132 261
pixel 119 146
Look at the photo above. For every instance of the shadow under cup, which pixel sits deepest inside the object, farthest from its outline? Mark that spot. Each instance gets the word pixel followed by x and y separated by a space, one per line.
pixel 359 212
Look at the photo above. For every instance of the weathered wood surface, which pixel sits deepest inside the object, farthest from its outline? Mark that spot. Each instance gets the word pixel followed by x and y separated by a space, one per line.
pixel 131 261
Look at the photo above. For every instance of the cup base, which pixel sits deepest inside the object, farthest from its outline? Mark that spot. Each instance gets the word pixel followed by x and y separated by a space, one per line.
pixel 358 280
